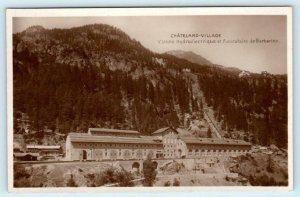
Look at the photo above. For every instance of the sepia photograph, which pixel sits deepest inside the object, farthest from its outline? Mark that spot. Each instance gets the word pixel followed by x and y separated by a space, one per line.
pixel 138 99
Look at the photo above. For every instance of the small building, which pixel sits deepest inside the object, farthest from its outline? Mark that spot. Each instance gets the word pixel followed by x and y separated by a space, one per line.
pixel 17 147
pixel 244 73
pixel 44 150
pixel 26 156
pixel 188 70
pixel 266 74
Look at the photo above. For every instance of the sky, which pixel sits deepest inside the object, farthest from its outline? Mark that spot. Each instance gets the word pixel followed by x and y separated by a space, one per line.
pixel 157 34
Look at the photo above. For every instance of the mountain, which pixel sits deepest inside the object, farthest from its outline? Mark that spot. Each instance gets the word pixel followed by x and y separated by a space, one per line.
pixel 198 59
pixel 190 56
pixel 97 76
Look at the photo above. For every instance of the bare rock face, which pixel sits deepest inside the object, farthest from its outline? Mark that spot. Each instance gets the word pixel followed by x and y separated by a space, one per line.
pixel 189 55
pixel 260 169
pixel 172 167
pixel 34 29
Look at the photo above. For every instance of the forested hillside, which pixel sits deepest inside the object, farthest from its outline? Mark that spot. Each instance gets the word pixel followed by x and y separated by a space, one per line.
pixel 94 76
pixel 256 105
pixel 97 76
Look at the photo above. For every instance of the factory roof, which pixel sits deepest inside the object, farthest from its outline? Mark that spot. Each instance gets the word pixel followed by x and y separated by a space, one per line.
pixel 104 130
pixel 75 137
pixel 163 130
pixel 24 154
pixel 214 141
pixel 41 147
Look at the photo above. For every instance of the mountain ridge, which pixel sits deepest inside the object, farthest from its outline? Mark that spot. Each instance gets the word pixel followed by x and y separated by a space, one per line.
pixel 191 56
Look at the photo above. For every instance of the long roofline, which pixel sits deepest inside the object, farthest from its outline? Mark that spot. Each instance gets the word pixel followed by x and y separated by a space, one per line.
pixel 110 139
pixel 43 146
pixel 113 130
pixel 189 140
pixel 163 130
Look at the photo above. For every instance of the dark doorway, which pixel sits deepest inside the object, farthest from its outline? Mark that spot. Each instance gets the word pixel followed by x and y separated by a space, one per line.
pixel 159 155
pixel 180 153
pixel 155 164
pixel 136 165
pixel 84 154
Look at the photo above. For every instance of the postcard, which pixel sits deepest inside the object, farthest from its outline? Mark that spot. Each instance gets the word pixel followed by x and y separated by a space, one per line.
pixel 149 99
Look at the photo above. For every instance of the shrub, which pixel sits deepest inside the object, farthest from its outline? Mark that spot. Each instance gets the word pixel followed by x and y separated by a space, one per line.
pixel 226 178
pixel 270 169
pixel 285 174
pixel 124 179
pixel 149 172
pixel 176 182
pixel 110 175
pixel 99 180
pixel 21 177
pixel 90 180
pixel 71 182
pixel 19 171
pixel 22 182
pixel 264 180
pixel 272 181
pixel 167 184
pixel 251 180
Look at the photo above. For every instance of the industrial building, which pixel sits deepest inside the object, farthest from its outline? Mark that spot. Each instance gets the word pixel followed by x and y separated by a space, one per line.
pixel 111 144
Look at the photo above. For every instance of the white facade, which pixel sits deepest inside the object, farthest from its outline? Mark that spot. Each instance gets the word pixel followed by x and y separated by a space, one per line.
pixel 164 143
